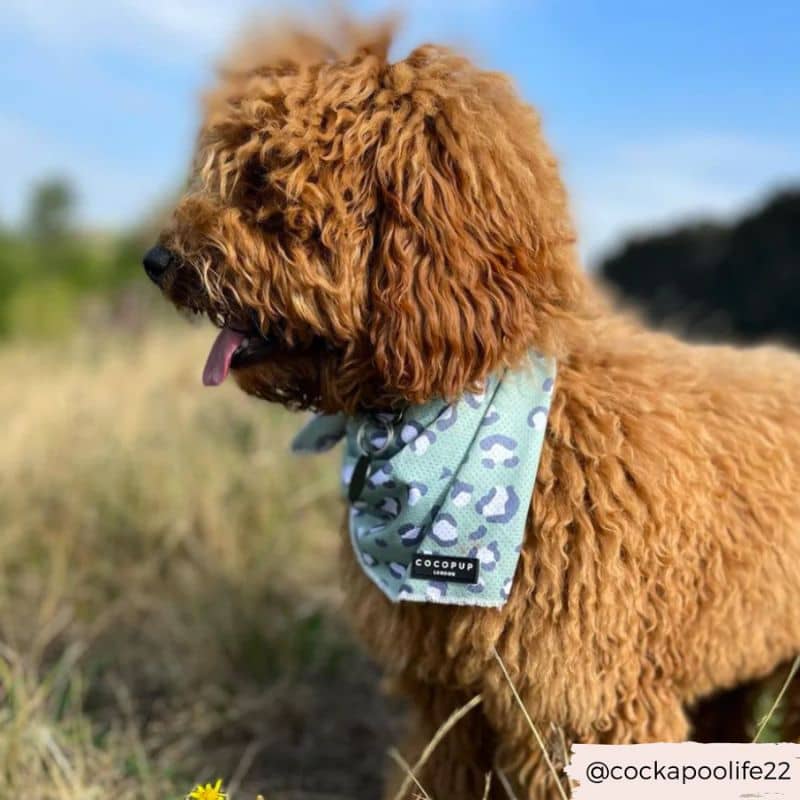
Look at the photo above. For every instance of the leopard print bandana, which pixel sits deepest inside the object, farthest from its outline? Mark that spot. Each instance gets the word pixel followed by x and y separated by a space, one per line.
pixel 440 494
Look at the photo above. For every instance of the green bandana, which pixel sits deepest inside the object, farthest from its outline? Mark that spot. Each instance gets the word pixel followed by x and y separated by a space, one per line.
pixel 440 494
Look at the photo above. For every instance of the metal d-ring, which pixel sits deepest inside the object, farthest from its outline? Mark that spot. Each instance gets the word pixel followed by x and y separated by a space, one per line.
pixel 358 478
pixel 362 441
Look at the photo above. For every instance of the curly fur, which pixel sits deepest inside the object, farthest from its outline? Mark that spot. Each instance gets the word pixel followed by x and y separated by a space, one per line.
pixel 411 216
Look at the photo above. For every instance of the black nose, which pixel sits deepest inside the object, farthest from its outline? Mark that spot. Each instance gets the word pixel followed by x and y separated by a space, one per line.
pixel 157 260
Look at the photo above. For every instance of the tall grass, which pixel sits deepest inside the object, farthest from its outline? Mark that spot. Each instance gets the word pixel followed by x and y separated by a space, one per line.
pixel 167 590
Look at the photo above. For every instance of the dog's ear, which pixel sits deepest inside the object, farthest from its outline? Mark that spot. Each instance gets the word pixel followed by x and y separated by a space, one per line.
pixel 474 262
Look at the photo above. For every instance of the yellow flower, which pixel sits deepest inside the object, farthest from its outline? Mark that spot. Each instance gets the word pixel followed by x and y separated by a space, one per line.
pixel 207 792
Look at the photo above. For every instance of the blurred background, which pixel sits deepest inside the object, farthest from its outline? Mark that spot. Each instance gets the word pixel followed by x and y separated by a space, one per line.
pixel 148 638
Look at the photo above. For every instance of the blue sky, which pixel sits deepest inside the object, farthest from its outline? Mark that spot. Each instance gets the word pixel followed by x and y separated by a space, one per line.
pixel 658 111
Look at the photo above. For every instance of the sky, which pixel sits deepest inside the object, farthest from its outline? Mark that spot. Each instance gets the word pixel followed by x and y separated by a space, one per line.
pixel 658 111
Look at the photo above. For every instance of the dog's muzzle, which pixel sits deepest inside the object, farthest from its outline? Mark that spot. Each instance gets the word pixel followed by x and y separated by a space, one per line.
pixel 157 261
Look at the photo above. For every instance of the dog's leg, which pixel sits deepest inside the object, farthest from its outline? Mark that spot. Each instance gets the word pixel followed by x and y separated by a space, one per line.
pixel 648 715
pixel 652 714
pixel 458 765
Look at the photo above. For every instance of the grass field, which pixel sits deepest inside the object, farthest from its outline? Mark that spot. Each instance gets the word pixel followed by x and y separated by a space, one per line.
pixel 168 588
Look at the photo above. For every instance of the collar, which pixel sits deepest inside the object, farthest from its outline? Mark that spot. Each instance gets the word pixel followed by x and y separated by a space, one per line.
pixel 439 495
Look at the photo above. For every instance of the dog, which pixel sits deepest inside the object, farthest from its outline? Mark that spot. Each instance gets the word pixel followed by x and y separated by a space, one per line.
pixel 371 235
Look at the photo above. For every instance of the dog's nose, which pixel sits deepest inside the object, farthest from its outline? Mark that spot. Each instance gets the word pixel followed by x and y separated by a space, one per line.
pixel 157 260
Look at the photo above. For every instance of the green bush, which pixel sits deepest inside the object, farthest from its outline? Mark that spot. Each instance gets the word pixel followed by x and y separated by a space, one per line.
pixel 49 268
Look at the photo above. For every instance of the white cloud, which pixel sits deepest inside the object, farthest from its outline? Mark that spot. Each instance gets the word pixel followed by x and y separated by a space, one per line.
pixel 203 22
pixel 650 184
pixel 186 27
pixel 192 27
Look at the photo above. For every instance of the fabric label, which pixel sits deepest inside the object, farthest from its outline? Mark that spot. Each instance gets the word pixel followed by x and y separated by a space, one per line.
pixel 445 568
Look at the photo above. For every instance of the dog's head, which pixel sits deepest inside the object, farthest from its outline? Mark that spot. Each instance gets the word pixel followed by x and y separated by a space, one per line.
pixel 368 234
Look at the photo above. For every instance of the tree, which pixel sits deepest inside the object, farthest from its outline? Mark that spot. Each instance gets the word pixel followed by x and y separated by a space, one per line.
pixel 739 280
pixel 52 205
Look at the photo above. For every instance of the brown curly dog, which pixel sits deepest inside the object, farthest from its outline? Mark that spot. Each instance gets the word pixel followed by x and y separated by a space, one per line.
pixel 399 231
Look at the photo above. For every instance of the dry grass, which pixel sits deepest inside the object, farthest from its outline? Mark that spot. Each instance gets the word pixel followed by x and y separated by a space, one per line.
pixel 168 587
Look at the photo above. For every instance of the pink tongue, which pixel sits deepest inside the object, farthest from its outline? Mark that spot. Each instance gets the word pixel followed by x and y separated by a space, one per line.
pixel 219 358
